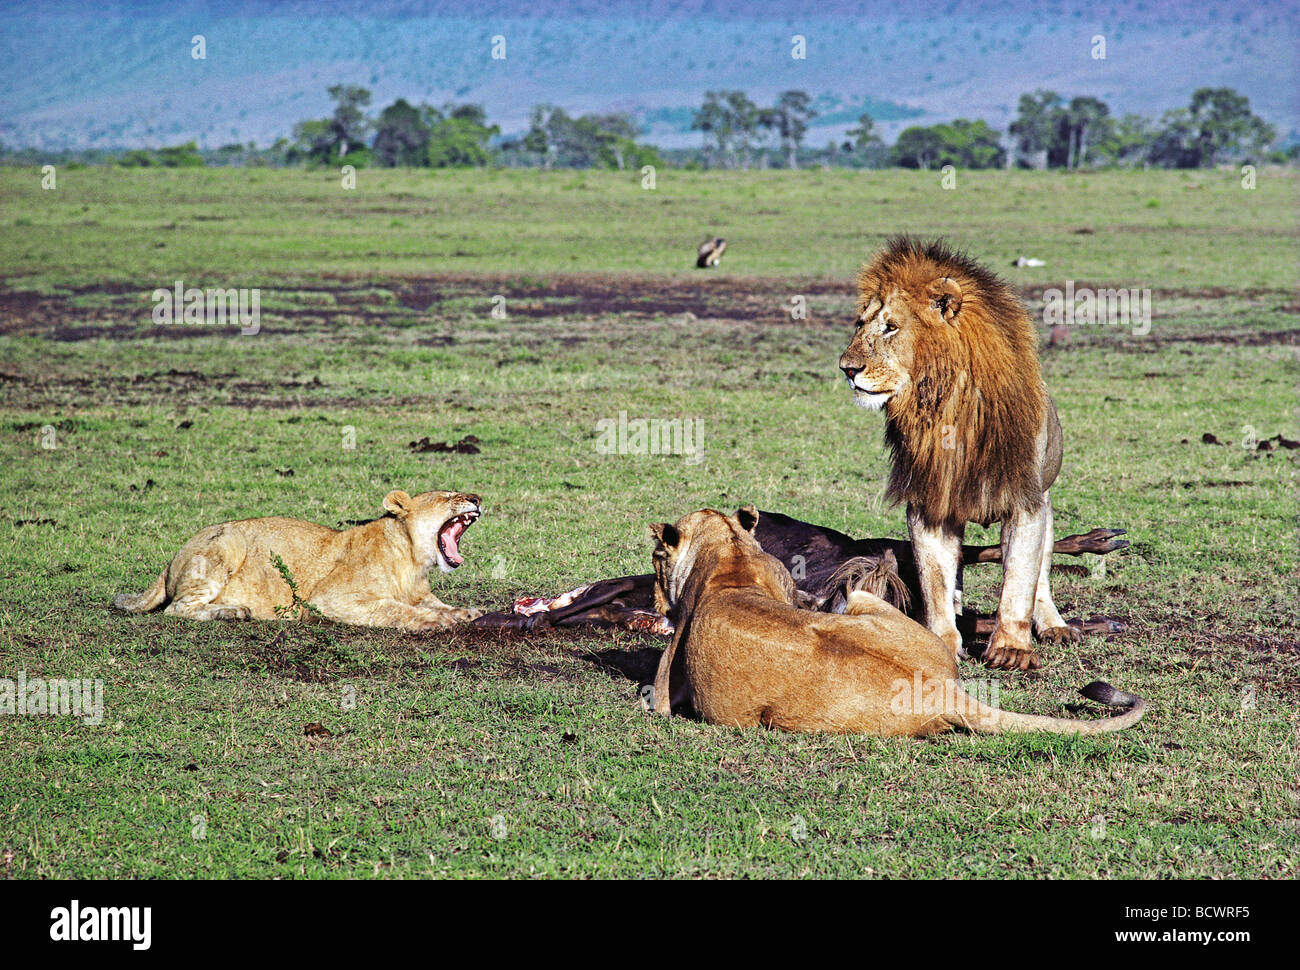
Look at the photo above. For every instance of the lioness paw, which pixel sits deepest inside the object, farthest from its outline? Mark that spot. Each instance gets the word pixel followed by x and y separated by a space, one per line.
pixel 952 640
pixel 445 619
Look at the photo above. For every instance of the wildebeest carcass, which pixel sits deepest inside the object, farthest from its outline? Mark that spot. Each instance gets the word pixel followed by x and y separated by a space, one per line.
pixel 825 565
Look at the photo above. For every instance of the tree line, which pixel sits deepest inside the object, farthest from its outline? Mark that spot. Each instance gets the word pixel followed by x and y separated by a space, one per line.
pixel 1217 126
pixel 459 136
pixel 1048 132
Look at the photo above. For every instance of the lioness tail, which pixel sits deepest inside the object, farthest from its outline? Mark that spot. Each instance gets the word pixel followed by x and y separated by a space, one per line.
pixel 993 720
pixel 150 599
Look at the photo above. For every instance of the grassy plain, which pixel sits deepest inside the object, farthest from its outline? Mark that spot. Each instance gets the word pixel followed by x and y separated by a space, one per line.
pixel 475 755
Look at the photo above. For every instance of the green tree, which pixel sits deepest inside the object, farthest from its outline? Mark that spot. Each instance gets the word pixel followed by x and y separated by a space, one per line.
pixel 744 116
pixel 537 140
pixel 732 121
pixel 962 142
pixel 1172 146
pixel 790 119
pixel 864 135
pixel 329 140
pixel 591 141
pixel 1086 121
pixel 713 121
pixel 310 143
pixel 613 136
pixel 346 128
pixel 1217 126
pixel 401 136
pixel 567 143
pixel 866 143
pixel 972 144
pixel 1224 127
pixel 918 147
pixel 1125 142
pixel 459 137
pixel 586 143
pixel 1036 129
pixel 180 156
pixel 137 158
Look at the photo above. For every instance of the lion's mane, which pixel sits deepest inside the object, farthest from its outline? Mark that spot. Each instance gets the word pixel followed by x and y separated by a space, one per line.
pixel 963 431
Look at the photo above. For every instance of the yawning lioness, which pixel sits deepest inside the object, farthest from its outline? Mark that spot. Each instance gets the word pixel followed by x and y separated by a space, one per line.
pixel 375 574
pixel 743 654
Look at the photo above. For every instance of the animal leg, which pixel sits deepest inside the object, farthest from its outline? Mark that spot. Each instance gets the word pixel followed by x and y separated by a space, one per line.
pixel 1099 541
pixel 937 551
pixel 464 614
pixel 1011 646
pixel 394 613
pixel 1047 621
pixel 201 582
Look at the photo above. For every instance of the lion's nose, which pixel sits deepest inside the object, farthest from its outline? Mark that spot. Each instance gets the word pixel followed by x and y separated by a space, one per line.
pixel 474 499
pixel 851 372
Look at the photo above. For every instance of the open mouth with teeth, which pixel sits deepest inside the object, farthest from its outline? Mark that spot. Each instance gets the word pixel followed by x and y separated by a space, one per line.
pixel 450 533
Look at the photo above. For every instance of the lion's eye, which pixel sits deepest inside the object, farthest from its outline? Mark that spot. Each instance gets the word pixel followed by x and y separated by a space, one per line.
pixel 889 329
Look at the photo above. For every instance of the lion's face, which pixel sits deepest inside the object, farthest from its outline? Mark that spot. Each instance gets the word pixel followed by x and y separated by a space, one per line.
pixel 677 546
pixel 435 521
pixel 892 328
pixel 673 556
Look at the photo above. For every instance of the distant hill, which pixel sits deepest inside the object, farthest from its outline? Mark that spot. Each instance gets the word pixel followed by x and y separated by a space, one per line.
pixel 78 76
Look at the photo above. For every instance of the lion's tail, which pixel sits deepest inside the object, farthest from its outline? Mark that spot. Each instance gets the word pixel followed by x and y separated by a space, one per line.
pixel 992 720
pixel 150 599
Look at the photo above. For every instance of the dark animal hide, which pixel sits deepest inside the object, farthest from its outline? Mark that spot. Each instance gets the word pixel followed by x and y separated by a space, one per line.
pixel 825 564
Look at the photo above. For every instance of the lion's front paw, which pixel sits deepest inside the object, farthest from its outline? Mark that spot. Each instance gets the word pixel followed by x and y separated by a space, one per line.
pixel 457 615
pixel 231 613
pixel 1006 654
pixel 445 619
pixel 1060 634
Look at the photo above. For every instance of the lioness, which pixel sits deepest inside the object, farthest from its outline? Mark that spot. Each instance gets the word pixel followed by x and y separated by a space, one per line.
pixel 375 574
pixel 743 654
pixel 950 354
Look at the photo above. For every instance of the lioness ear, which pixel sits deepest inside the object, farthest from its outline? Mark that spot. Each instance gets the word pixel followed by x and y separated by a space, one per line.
pixel 665 533
pixel 945 296
pixel 398 503
pixel 747 516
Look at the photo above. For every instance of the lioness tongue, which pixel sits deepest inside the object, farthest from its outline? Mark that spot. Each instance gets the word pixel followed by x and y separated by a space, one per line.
pixel 450 539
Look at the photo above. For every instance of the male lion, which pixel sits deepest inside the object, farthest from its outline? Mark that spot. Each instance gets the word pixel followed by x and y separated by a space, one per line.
pixel 375 574
pixel 950 354
pixel 744 654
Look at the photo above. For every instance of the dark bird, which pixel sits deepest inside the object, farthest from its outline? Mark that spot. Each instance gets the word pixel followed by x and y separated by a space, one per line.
pixel 711 251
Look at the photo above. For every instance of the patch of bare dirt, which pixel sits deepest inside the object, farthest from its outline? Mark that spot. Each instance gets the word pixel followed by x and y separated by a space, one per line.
pixel 122 312
pixel 226 388
pixel 1231 338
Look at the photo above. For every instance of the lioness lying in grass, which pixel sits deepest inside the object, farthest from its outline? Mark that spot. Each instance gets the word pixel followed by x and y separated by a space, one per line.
pixel 743 654
pixel 375 574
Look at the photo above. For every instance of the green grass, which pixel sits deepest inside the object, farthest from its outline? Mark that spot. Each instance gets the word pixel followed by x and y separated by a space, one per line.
pixel 146 228
pixel 381 328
